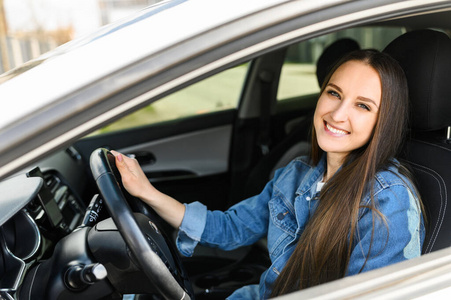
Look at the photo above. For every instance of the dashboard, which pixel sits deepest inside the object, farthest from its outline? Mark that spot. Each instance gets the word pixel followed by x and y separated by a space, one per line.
pixel 38 207
pixel 58 243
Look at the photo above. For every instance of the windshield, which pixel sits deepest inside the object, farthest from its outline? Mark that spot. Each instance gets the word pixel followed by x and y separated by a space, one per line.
pixel 101 32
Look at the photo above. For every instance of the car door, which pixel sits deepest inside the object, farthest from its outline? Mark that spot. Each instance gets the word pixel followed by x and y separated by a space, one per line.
pixel 182 141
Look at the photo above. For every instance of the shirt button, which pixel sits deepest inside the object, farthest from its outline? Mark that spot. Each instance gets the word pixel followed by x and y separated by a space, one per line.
pixel 308 198
pixel 280 216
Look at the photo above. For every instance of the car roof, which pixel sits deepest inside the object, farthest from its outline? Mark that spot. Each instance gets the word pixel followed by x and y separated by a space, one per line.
pixel 89 82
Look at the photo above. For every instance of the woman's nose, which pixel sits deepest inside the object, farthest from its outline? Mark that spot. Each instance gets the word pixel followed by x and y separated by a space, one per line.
pixel 340 112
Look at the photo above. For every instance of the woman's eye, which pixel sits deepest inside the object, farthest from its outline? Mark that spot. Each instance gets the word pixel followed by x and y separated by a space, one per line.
pixel 364 106
pixel 334 94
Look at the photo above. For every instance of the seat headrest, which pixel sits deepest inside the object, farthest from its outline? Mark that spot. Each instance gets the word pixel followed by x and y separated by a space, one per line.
pixel 331 55
pixel 425 56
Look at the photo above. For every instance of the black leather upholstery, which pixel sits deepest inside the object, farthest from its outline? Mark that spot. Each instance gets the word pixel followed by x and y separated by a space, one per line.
pixel 425 56
pixel 331 55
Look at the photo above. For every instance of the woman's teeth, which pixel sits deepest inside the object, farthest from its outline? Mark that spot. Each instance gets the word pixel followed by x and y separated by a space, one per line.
pixel 335 130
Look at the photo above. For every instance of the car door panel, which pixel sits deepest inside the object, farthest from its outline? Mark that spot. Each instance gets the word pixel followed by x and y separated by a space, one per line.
pixel 195 154
pixel 182 156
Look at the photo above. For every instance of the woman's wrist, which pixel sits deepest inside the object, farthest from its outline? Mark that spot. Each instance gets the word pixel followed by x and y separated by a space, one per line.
pixel 151 196
pixel 167 207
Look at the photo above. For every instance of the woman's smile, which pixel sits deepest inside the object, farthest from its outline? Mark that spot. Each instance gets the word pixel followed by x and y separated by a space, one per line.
pixel 334 130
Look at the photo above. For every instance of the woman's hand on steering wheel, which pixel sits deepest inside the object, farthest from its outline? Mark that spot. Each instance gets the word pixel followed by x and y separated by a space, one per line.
pixel 138 185
pixel 133 177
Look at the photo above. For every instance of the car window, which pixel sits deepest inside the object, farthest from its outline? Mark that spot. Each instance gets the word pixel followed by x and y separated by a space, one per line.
pixel 216 93
pixel 298 77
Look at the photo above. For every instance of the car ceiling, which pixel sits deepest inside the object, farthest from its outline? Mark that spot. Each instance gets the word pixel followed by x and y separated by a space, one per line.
pixel 439 19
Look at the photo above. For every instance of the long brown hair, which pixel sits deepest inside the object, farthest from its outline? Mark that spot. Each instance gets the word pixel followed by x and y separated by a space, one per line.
pixel 323 251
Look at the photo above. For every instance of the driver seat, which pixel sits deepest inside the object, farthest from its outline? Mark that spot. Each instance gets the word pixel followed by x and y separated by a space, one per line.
pixel 425 57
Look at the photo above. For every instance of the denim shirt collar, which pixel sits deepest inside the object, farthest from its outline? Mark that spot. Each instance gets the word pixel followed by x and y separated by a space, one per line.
pixel 311 177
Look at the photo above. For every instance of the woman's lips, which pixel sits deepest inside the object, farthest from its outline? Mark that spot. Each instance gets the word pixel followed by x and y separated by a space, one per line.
pixel 334 130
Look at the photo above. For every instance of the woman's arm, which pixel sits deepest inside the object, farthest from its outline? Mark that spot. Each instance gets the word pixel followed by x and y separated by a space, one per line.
pixel 397 237
pixel 138 185
pixel 242 224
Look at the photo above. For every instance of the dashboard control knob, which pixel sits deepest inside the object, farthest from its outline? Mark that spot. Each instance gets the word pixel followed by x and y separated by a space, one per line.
pixel 79 276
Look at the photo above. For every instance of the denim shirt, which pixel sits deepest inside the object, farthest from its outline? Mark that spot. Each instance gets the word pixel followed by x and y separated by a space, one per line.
pixel 281 211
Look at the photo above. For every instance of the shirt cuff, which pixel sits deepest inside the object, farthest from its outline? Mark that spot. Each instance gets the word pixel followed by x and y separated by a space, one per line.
pixel 192 227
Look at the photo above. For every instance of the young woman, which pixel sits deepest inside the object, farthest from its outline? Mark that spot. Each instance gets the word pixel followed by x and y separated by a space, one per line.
pixel 348 208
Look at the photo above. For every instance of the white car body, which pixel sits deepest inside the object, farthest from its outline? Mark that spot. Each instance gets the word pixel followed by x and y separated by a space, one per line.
pixel 90 82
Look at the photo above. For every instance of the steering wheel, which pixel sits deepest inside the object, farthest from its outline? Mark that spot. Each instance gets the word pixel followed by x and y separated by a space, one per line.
pixel 103 168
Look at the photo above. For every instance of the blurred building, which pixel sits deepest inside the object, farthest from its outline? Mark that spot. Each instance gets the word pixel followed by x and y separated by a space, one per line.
pixel 23 40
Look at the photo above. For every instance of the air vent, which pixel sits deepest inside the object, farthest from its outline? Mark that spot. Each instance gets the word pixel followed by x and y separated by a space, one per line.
pixel 52 181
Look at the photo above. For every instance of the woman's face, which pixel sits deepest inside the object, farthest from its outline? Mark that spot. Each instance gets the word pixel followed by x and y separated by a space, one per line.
pixel 347 110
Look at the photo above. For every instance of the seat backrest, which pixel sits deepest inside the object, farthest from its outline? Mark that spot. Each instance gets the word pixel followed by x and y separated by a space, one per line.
pixel 425 56
pixel 330 56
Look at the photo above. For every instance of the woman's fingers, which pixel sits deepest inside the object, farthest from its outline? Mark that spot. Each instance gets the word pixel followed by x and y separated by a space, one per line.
pixel 133 177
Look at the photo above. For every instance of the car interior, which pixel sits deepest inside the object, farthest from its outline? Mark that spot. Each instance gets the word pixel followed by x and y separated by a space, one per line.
pixel 429 144
pixel 222 156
